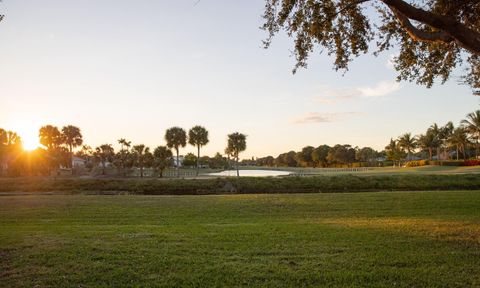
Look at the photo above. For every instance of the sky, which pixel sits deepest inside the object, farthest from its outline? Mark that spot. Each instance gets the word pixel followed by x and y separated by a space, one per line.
pixel 132 69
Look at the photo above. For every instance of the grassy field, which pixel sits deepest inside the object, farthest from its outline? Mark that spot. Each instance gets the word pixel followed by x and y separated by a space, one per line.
pixel 424 170
pixel 401 239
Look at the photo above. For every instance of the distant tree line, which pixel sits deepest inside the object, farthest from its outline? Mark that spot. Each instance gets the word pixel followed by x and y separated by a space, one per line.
pixel 322 156
pixel 439 142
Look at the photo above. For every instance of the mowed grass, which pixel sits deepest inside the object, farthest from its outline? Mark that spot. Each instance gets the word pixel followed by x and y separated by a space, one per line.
pixel 391 239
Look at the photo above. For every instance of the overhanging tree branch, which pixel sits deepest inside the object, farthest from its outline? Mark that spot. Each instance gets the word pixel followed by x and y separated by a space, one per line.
pixel 448 26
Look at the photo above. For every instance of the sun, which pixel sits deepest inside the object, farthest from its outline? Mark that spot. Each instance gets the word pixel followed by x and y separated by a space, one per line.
pixel 29 135
pixel 30 142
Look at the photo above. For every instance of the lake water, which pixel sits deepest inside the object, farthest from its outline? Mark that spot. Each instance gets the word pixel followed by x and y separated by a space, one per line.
pixel 251 173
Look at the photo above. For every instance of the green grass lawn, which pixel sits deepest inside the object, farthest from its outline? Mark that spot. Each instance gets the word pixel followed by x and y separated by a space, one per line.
pixel 391 239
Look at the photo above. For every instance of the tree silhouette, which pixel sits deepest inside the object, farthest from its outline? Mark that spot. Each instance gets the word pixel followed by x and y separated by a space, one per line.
pixel 176 137
pixel 72 137
pixel 142 157
pixel 103 154
pixel 162 158
pixel 198 137
pixel 237 143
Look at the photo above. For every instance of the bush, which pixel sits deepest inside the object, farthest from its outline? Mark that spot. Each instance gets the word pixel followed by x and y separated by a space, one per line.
pixel 474 162
pixel 447 163
pixel 244 185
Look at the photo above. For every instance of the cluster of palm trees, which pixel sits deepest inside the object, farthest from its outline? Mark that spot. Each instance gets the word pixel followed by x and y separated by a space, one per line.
pixel 60 145
pixel 176 138
pixel 439 140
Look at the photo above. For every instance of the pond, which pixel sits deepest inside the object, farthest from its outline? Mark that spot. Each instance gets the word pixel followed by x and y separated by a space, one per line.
pixel 251 173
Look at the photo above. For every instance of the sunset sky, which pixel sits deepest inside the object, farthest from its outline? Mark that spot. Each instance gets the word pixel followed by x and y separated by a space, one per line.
pixel 132 69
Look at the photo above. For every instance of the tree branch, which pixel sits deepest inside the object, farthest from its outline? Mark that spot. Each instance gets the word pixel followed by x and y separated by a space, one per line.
pixel 418 34
pixel 465 37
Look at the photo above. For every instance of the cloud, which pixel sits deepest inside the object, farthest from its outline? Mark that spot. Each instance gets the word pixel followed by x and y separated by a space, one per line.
pixel 381 89
pixel 331 95
pixel 315 117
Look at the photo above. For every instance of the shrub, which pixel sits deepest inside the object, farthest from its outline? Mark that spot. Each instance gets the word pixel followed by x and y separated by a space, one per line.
pixel 474 162
pixel 416 163
pixel 447 163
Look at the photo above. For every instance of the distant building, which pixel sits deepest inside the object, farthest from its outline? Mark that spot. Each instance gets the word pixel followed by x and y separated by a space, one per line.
pixel 177 162
pixel 78 162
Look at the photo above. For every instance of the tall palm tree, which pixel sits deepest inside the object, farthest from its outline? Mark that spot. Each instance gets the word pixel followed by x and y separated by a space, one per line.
pixel 436 132
pixel 237 142
pixel 50 137
pixel 142 156
pixel 124 143
pixel 472 124
pixel 459 139
pixel 162 157
pixel 72 137
pixel 198 136
pixel 407 143
pixel 176 137
pixel 446 133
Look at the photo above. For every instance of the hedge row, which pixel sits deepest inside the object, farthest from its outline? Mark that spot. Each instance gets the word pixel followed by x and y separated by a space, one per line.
pixel 246 185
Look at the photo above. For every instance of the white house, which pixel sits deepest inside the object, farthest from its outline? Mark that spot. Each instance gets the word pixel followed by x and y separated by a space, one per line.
pixel 178 162
pixel 78 162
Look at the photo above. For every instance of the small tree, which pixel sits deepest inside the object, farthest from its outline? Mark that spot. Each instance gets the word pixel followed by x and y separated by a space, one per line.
pixel 123 155
pixel 198 137
pixel 176 137
pixel 237 143
pixel 162 158
pixel 142 157
pixel 407 143
pixel 104 154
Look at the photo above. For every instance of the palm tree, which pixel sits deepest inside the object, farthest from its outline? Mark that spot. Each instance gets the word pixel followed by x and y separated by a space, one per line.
pixel 237 143
pixel 142 156
pixel 162 157
pixel 408 143
pixel 124 154
pixel 104 153
pixel 460 140
pixel 10 147
pixel 72 137
pixel 394 152
pixel 50 137
pixel 198 136
pixel 436 132
pixel 446 133
pixel 428 142
pixel 176 137
pixel 472 124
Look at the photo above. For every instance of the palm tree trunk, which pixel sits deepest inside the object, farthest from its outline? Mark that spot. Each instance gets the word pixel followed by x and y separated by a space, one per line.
pixel 457 152
pixel 430 152
pixel 236 160
pixel 177 164
pixel 198 159
pixel 141 170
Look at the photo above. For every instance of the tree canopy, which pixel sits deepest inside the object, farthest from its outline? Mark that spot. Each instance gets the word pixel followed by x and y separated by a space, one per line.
pixel 433 36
